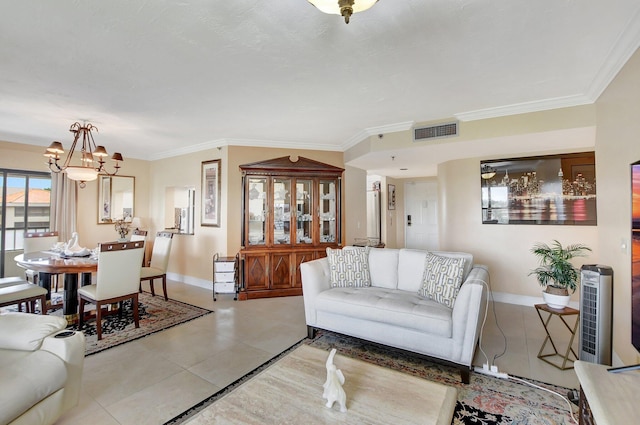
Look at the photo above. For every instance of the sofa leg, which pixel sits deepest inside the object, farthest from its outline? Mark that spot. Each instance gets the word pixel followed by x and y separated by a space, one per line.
pixel 311 332
pixel 464 375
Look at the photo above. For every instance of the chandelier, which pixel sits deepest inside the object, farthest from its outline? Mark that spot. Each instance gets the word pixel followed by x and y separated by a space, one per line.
pixel 91 157
pixel 343 7
pixel 487 172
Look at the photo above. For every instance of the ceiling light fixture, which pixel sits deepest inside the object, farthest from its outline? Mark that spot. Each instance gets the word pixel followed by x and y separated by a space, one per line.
pixel 89 167
pixel 487 172
pixel 343 7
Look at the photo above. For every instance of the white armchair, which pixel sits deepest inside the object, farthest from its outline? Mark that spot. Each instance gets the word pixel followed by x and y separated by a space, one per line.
pixel 40 368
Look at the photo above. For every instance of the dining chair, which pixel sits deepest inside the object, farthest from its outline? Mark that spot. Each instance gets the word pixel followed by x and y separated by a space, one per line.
pixel 140 235
pixel 118 279
pixel 159 262
pixel 26 293
pixel 40 241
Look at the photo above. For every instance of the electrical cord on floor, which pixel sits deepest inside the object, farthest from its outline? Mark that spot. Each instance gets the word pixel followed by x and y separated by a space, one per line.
pixel 504 337
pixel 573 418
pixel 484 321
pixel 497 356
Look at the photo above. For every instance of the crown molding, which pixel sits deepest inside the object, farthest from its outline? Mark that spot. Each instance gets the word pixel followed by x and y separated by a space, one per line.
pixel 623 48
pixel 627 43
pixel 219 143
pixel 372 131
pixel 523 108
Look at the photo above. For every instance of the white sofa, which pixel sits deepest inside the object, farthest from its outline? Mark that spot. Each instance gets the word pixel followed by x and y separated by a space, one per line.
pixel 40 373
pixel 392 312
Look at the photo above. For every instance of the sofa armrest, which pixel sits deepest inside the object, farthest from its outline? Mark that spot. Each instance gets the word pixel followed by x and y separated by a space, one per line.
pixel 25 331
pixel 71 350
pixel 315 279
pixel 469 311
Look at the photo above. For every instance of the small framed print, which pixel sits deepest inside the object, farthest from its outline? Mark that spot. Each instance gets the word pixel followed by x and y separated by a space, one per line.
pixel 210 193
pixel 391 196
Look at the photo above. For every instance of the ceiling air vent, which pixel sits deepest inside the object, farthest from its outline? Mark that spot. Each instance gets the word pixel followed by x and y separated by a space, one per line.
pixel 435 131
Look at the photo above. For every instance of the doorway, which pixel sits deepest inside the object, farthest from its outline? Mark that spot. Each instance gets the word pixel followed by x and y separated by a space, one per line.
pixel 421 215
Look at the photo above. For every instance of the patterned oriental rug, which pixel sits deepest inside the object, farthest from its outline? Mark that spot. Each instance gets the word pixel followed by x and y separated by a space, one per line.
pixel 155 315
pixel 485 401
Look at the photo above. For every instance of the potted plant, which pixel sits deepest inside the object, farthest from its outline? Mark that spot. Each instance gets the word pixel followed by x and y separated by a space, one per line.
pixel 556 273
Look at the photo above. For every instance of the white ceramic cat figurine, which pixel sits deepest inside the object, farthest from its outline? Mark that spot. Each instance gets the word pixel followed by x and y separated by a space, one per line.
pixel 333 390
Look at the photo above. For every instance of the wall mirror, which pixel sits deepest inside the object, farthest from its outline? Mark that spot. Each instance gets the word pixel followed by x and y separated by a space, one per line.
pixel 116 196
pixel 180 206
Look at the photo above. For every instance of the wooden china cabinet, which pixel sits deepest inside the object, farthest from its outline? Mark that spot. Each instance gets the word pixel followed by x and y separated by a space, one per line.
pixel 291 214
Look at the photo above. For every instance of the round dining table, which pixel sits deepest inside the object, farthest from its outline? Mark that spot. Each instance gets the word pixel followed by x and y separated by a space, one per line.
pixel 48 263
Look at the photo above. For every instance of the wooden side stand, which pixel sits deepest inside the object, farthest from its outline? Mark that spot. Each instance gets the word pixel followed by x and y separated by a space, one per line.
pixel 567 311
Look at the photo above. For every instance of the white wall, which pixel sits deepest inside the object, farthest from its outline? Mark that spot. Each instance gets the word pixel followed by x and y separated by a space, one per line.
pixel 617 146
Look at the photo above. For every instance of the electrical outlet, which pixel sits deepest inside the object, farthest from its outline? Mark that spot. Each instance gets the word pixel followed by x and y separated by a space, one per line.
pixel 492 371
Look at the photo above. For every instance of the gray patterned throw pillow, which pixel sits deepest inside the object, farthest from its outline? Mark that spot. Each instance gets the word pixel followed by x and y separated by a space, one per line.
pixel 442 279
pixel 349 267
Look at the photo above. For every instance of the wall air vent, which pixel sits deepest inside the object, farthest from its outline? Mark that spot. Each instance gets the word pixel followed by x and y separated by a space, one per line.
pixel 435 131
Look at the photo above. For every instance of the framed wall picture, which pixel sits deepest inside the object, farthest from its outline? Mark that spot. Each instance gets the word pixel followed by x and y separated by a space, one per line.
pixel 104 199
pixel 391 196
pixel 210 193
pixel 550 189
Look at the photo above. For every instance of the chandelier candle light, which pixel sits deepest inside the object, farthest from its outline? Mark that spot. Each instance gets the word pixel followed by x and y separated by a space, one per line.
pixel 89 167
pixel 343 7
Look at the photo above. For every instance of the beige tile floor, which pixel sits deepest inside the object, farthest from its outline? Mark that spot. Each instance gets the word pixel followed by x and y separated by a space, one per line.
pixel 151 380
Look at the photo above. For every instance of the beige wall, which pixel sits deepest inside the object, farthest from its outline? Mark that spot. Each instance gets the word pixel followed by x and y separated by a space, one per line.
pixel 192 254
pixel 17 156
pixel 617 146
pixel 504 248
pixel 355 205
pixel 90 233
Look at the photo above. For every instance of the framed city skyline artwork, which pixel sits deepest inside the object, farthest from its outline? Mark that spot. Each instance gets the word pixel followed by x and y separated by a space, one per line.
pixel 635 255
pixel 550 189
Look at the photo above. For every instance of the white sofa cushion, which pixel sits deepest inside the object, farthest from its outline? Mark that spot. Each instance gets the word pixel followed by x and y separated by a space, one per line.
pixel 349 267
pixel 20 332
pixel 442 279
pixel 390 306
pixel 411 269
pixel 383 266
pixel 29 380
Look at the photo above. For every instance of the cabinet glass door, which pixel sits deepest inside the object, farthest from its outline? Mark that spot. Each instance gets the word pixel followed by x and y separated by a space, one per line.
pixel 328 211
pixel 257 210
pixel 281 211
pixel 304 214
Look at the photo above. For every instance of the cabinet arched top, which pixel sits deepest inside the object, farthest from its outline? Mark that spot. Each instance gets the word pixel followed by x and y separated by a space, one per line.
pixel 287 165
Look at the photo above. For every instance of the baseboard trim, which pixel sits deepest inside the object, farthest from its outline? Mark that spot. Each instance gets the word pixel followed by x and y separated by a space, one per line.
pixel 189 280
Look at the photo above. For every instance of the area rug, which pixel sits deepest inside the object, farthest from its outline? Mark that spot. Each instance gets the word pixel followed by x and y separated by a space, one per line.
pixel 155 313
pixel 484 401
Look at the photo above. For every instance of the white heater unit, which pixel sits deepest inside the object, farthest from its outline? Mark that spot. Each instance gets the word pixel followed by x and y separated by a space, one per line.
pixel 596 313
